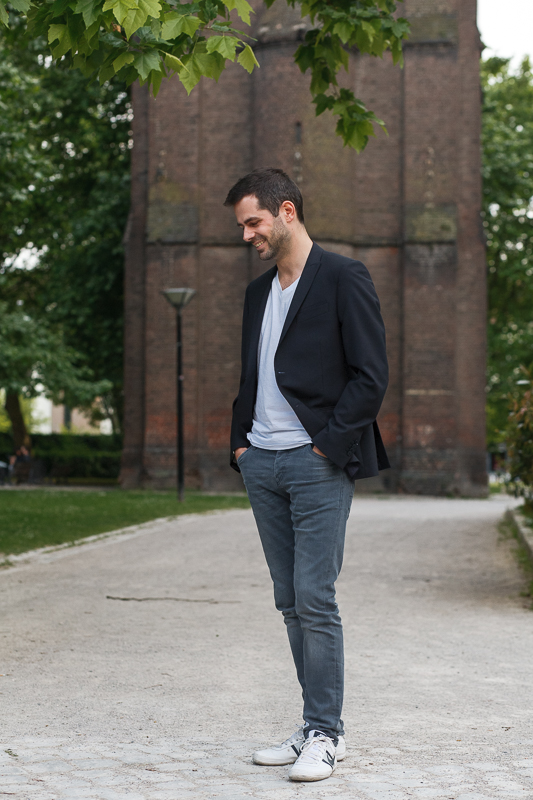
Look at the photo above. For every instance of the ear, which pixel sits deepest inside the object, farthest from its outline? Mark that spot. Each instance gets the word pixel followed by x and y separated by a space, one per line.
pixel 288 211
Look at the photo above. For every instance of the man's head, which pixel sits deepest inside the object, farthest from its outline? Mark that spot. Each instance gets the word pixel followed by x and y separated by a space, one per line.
pixel 268 207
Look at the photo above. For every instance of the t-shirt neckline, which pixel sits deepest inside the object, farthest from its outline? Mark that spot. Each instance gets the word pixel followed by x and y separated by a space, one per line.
pixel 278 284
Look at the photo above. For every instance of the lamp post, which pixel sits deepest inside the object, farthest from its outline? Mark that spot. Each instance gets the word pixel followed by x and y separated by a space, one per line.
pixel 179 298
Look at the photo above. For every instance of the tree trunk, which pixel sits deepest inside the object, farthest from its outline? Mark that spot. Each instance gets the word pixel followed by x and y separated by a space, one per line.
pixel 18 426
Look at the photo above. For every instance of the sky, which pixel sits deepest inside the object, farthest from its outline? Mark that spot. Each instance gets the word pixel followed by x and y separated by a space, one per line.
pixel 506 28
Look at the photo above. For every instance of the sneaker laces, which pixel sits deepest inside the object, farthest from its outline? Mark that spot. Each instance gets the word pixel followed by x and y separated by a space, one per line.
pixel 297 736
pixel 314 749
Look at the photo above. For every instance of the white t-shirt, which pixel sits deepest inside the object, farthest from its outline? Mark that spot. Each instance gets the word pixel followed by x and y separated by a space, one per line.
pixel 275 425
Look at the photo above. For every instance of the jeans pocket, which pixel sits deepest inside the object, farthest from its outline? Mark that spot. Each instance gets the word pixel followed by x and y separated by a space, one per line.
pixel 324 459
pixel 242 455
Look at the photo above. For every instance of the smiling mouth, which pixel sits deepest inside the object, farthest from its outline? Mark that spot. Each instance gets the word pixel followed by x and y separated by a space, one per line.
pixel 258 244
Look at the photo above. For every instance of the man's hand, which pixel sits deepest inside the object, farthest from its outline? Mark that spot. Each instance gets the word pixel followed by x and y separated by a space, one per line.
pixel 315 450
pixel 239 451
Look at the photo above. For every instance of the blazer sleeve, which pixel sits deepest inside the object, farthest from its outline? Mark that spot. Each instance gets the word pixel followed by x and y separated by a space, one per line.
pixel 238 420
pixel 363 338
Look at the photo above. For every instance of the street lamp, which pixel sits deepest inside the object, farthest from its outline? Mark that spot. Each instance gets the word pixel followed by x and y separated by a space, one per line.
pixel 179 298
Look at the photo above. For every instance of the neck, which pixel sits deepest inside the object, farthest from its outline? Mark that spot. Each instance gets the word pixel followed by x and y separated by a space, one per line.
pixel 291 262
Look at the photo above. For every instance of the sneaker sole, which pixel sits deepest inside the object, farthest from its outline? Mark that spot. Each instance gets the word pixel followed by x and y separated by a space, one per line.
pixel 270 762
pixel 301 777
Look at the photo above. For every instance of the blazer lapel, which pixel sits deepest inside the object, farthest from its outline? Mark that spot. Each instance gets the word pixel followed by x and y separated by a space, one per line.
pixel 258 311
pixel 306 279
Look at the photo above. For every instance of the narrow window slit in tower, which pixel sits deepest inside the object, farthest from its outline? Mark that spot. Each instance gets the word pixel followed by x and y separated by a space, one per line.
pixel 298 132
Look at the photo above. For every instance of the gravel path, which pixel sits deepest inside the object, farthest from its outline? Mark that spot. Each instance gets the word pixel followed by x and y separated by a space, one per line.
pixel 165 696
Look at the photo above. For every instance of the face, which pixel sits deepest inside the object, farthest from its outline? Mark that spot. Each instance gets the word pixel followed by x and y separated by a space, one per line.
pixel 269 235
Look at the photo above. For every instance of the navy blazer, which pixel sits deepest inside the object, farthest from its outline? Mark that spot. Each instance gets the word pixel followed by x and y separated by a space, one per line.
pixel 330 364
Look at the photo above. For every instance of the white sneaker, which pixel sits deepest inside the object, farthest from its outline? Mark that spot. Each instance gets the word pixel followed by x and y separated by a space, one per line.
pixel 288 751
pixel 280 754
pixel 317 759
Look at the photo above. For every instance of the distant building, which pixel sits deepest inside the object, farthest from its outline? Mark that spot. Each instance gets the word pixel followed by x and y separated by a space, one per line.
pixel 49 418
pixel 408 207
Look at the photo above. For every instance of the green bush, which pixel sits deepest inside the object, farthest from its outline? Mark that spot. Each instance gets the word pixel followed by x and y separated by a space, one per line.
pixel 62 456
pixel 520 442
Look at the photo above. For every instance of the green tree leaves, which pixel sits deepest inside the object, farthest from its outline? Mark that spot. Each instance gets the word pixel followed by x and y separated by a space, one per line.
pixel 145 63
pixel 175 23
pixel 61 34
pixel 369 26
pixel 242 8
pixel 122 60
pixel 225 45
pixel 356 123
pixel 89 11
pixel 19 5
pixel 247 59
pixel 199 64
pixel 64 160
pixel 520 440
pixel 198 39
pixel 508 223
pixel 157 37
pixel 34 355
pixel 138 12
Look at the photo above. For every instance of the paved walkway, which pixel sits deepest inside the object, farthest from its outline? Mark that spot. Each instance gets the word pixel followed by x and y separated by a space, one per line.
pixel 165 696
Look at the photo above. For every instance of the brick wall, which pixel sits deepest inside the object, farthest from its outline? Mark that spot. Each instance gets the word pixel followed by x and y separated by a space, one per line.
pixel 408 207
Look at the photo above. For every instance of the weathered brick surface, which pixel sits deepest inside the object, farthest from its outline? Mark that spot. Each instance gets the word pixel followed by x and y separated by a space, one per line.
pixel 378 187
pixel 408 207
pixel 385 266
pixel 134 307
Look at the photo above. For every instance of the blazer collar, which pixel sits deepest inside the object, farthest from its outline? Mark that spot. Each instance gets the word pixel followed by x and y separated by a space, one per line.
pixel 307 277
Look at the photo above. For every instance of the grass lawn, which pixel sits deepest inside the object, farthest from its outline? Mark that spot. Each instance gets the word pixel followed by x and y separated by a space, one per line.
pixel 38 518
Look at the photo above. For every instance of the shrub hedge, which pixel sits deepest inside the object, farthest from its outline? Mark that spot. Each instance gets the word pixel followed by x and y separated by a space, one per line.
pixel 63 456
pixel 520 441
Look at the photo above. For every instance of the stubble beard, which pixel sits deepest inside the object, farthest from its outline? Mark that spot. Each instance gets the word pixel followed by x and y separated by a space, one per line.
pixel 276 242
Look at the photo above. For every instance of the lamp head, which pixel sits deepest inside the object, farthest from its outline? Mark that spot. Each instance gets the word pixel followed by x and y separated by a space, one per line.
pixel 179 298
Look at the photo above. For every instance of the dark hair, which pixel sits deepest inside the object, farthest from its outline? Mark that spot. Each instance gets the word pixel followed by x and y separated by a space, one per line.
pixel 271 187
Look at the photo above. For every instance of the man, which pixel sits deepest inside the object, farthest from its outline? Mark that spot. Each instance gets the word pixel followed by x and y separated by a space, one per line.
pixel 314 372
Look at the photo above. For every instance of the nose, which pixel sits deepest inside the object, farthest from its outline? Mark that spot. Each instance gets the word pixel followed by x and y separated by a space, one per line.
pixel 247 234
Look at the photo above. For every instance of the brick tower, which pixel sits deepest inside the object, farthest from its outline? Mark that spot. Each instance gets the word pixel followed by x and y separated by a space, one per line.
pixel 408 207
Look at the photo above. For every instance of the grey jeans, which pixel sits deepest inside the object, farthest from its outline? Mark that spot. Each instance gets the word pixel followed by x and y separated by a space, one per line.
pixel 301 502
